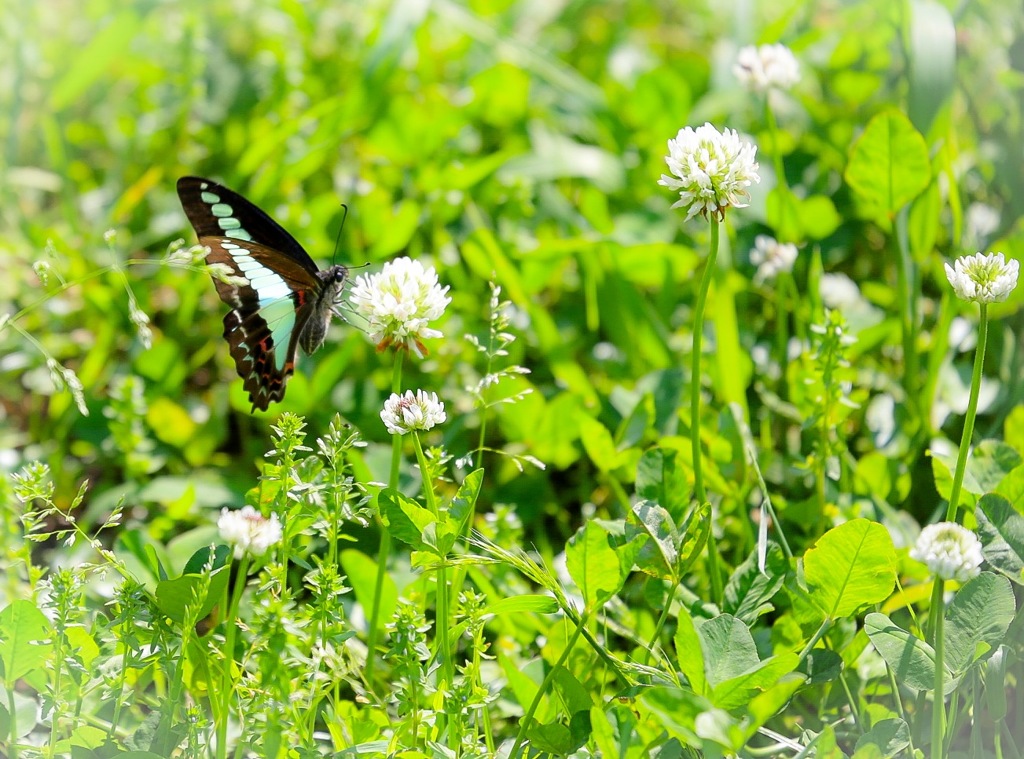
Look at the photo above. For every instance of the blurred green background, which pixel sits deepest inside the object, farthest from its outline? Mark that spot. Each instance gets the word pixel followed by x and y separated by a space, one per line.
pixel 515 140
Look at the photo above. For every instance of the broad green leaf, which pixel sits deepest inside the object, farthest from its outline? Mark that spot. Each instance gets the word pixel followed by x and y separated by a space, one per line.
pixel 931 53
pixel 186 595
pixel 994 677
pixel 1001 530
pixel 695 531
pixel 673 709
pixel 737 691
pixel 572 693
pixel 198 561
pixel 84 645
pixel 406 519
pixel 593 564
pixel 1012 489
pixel 660 478
pixel 889 164
pixel 728 647
pixel 25 640
pixel 910 658
pixel 990 462
pixel 465 499
pixel 769 704
pixel 890 736
pixel 659 555
pixel 981 612
pixel 689 654
pixel 362 576
pixel 748 592
pixel 850 567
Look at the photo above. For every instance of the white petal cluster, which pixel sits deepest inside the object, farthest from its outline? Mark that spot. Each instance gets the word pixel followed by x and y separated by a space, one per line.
pixel 405 413
pixel 983 278
pixel 249 531
pixel 710 169
pixel 399 302
pixel 766 67
pixel 949 550
pixel 771 257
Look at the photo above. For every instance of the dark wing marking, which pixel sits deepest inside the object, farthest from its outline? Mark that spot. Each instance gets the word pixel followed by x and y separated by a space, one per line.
pixel 249 326
pixel 260 228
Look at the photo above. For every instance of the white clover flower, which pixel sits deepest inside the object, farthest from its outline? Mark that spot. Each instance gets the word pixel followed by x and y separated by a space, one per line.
pixel 949 550
pixel 399 302
pixel 983 279
pixel 838 291
pixel 767 67
pixel 980 220
pixel 405 413
pixel 711 170
pixel 249 531
pixel 771 257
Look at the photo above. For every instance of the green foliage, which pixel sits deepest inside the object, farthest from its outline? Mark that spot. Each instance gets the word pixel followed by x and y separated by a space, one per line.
pixel 533 576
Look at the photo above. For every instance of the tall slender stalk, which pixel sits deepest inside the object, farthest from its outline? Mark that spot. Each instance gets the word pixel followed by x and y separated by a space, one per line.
pixel 384 551
pixel 938 703
pixel 698 334
pixel 972 411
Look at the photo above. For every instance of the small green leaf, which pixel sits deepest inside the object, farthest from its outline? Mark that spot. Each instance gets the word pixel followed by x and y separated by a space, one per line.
pixel 689 654
pixel 981 612
pixel 659 478
pixel 728 647
pixel 406 519
pixel 910 658
pixel 25 640
pixel 890 736
pixel 179 597
pixel 737 691
pixel 465 499
pixel 850 567
pixel 659 555
pixel 889 164
pixel 1001 530
pixel 593 564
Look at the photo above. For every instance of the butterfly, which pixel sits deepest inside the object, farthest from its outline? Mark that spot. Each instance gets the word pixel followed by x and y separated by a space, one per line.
pixel 279 299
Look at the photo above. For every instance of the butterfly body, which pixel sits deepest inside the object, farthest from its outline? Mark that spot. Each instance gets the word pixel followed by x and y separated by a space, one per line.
pixel 279 298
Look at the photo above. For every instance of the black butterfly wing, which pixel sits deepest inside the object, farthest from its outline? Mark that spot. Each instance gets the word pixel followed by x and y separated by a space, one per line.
pixel 271 299
pixel 216 211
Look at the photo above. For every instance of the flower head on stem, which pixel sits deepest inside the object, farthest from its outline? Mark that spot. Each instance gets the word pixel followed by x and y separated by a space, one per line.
pixel 405 413
pixel 249 531
pixel 949 550
pixel 710 169
pixel 983 278
pixel 399 302
pixel 767 67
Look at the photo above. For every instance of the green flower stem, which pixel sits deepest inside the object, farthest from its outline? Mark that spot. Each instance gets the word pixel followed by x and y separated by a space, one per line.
pixel 545 686
pixel 698 334
pixel 972 411
pixel 230 633
pixel 384 551
pixel 443 641
pixel 938 706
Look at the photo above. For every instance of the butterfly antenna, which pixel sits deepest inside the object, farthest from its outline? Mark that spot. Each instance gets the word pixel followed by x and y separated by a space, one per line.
pixel 337 241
